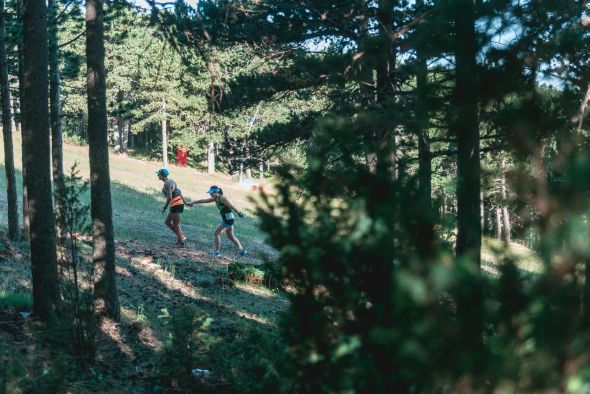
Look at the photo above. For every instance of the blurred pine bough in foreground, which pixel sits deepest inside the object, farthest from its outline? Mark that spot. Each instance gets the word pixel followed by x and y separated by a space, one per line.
pixel 371 313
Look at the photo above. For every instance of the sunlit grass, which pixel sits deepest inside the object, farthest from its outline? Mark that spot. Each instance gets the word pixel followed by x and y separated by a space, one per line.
pixel 137 200
pixel 494 252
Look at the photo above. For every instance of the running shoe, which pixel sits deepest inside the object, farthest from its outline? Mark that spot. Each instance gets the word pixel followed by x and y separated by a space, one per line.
pixel 215 253
pixel 242 252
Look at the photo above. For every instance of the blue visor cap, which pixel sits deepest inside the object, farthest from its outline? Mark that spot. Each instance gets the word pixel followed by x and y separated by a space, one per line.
pixel 163 171
pixel 213 190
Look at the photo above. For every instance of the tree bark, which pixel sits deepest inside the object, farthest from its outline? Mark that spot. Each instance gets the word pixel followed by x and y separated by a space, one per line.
pixel 21 91
pixel 14 107
pixel 425 213
pixel 55 116
pixel 37 159
pixel 119 134
pixel 466 129
pixel 211 158
pixel 13 230
pixel 105 289
pixel 124 137
pixel 499 224
pixel 505 215
pixel 164 135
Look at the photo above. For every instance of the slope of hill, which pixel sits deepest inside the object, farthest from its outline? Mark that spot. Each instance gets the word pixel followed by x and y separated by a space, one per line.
pixel 157 284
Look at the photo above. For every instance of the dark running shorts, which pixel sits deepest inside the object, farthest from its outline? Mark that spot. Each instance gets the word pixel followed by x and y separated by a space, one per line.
pixel 177 209
pixel 227 223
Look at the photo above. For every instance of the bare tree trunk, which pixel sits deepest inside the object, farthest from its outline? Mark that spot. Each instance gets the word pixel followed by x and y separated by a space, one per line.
pixel 505 216
pixel 467 131
pixel 14 107
pixel 164 135
pixel 124 137
pixel 482 212
pixel 21 90
pixel 55 116
pixel 499 223
pixel 211 158
pixel 105 289
pixel 119 134
pixel 131 136
pixel 426 234
pixel 583 107
pixel 13 230
pixel 261 169
pixel 465 127
pixel 37 160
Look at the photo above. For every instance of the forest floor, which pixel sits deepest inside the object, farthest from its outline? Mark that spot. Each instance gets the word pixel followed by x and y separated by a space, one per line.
pixel 130 355
pixel 162 291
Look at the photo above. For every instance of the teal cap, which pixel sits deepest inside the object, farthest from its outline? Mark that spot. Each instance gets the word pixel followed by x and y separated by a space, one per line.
pixel 163 171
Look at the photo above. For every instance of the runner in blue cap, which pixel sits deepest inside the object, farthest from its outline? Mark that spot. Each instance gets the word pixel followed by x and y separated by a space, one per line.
pixel 175 201
pixel 226 209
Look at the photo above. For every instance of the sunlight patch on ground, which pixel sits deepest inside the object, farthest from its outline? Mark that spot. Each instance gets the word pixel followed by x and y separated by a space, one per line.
pixel 495 252
pixel 111 329
pixel 148 338
pixel 255 290
pixel 256 318
pixel 168 280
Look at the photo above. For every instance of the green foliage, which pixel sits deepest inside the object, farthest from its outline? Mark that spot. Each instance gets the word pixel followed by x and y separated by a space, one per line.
pixel 50 377
pixel 20 302
pixel 268 274
pixel 77 324
pixel 261 365
pixel 189 340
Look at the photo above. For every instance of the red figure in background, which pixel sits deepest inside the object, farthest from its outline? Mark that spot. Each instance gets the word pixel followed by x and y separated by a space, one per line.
pixel 182 156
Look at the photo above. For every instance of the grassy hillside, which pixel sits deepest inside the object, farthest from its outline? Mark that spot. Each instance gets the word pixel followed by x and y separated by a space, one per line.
pixel 162 291
pixel 137 200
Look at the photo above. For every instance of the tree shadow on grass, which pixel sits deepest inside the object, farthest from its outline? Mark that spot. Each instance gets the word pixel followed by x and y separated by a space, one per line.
pixel 156 277
pixel 150 290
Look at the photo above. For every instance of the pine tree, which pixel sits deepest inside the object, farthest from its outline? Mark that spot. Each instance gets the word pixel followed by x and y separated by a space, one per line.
pixel 13 228
pixel 105 289
pixel 37 159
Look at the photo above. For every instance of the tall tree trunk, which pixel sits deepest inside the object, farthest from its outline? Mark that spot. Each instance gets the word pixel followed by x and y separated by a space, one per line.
pixel 164 134
pixel 105 289
pixel 124 137
pixel 14 110
pixel 131 136
pixel 384 88
pixel 211 158
pixel 482 212
pixel 55 116
pixel 21 91
pixel 119 134
pixel 426 214
pixel 37 160
pixel 13 230
pixel 261 169
pixel 505 216
pixel 499 223
pixel 466 129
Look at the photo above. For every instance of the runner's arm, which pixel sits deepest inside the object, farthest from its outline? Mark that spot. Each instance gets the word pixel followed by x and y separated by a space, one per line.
pixel 229 204
pixel 187 203
pixel 204 201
